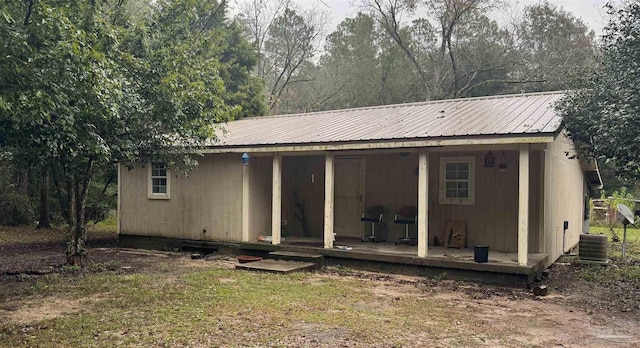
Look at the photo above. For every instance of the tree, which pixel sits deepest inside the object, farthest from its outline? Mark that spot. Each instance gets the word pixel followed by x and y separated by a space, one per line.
pixel 350 67
pixel 553 46
pixel 602 113
pixel 286 39
pixel 82 89
pixel 439 68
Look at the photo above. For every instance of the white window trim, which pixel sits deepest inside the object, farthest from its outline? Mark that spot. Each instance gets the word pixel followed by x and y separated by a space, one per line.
pixel 150 194
pixel 472 180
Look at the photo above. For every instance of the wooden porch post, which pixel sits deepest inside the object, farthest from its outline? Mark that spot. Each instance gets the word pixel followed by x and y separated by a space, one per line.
pixel 423 204
pixel 276 200
pixel 328 201
pixel 523 205
pixel 245 203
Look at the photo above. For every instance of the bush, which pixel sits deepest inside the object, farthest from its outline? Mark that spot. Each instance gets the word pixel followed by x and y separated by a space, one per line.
pixel 16 209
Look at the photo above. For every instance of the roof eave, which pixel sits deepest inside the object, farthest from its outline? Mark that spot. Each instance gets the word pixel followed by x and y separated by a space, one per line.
pixel 536 138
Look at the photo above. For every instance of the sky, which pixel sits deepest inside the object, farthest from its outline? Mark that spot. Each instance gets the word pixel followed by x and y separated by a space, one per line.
pixel 590 11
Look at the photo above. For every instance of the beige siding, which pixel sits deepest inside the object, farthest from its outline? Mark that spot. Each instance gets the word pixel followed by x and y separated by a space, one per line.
pixel 210 199
pixel 303 177
pixel 563 192
pixel 260 188
pixel 392 181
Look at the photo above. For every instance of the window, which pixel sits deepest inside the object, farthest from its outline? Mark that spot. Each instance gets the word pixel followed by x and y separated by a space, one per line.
pixel 457 180
pixel 158 181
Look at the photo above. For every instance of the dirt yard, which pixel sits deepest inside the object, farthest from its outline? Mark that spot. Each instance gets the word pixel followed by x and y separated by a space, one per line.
pixel 126 297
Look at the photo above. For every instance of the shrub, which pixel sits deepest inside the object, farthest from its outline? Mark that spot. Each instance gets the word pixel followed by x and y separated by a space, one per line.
pixel 16 209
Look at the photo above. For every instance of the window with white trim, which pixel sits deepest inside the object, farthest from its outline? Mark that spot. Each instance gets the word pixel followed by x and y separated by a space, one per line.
pixel 159 181
pixel 457 180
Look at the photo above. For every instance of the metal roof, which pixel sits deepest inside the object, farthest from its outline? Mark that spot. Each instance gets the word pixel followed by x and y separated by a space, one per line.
pixel 508 115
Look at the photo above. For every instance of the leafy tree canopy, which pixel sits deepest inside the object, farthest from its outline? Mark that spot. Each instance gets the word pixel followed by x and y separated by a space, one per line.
pixel 603 113
pixel 84 86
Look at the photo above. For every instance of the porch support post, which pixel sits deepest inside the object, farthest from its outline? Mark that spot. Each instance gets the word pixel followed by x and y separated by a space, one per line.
pixel 245 203
pixel 276 200
pixel 523 205
pixel 423 204
pixel 328 201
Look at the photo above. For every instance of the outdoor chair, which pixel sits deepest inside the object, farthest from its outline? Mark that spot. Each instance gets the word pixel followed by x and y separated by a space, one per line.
pixel 406 216
pixel 374 215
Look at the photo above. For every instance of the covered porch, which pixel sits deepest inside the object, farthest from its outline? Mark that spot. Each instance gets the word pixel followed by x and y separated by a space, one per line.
pixel 314 200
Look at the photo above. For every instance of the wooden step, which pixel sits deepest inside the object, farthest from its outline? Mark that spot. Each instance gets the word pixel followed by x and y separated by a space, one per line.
pixel 277 266
pixel 317 259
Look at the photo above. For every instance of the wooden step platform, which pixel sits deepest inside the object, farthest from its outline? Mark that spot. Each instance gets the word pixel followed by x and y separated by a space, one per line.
pixel 317 259
pixel 277 266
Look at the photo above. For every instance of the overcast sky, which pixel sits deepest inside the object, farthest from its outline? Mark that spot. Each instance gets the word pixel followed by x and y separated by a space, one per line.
pixel 590 11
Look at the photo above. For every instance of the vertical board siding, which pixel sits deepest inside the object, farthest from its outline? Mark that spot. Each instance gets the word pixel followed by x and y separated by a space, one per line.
pixel 304 176
pixel 563 192
pixel 493 219
pixel 260 197
pixel 391 181
pixel 209 198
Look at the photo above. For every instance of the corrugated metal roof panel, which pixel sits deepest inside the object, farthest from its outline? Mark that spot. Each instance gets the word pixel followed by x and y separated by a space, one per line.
pixel 523 114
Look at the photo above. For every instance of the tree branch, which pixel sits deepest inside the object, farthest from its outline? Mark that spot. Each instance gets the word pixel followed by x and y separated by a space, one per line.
pixel 29 11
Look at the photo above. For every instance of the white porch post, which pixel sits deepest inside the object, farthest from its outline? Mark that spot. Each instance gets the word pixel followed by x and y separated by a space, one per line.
pixel 523 205
pixel 423 204
pixel 276 200
pixel 328 201
pixel 245 203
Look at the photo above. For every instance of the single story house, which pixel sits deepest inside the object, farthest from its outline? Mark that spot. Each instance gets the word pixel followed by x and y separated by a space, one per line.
pixel 495 171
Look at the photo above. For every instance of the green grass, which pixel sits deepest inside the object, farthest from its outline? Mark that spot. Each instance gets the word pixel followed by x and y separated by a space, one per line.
pixel 29 235
pixel 627 270
pixel 57 234
pixel 109 224
pixel 615 248
pixel 228 306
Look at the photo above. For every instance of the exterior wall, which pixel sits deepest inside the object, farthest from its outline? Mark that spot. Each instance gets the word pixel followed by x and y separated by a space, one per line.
pixel 210 199
pixel 563 192
pixel 260 188
pixel 493 220
pixel 303 177
pixel 391 181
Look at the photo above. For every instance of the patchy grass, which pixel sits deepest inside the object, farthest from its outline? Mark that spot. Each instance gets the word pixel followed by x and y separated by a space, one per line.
pixel 28 235
pixel 223 307
pixel 615 248
pixel 620 271
pixel 139 298
pixel 108 225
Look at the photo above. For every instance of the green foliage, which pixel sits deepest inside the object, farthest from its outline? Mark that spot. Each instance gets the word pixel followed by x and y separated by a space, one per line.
pixel 602 115
pixel 627 271
pixel 449 50
pixel 85 85
pixel 554 46
pixel 16 209
pixel 622 197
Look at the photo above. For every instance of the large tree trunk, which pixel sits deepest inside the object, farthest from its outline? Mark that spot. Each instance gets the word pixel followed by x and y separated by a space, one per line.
pixel 43 220
pixel 76 251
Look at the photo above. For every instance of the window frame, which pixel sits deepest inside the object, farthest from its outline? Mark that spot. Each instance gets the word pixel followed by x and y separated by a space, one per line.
pixel 150 177
pixel 471 161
